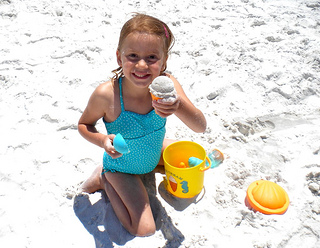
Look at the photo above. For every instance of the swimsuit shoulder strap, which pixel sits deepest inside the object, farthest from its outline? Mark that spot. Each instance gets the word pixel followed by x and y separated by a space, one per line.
pixel 121 98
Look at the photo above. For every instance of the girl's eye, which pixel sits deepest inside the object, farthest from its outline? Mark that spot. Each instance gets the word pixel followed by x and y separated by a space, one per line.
pixel 133 56
pixel 153 58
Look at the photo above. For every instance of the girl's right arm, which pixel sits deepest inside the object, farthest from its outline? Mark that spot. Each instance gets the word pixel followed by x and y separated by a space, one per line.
pixel 94 111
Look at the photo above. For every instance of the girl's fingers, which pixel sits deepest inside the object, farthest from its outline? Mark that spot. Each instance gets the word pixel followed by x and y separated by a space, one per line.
pixel 109 148
pixel 166 107
pixel 114 154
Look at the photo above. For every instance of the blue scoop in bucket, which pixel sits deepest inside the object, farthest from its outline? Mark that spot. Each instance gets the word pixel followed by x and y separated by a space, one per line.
pixel 193 161
pixel 215 156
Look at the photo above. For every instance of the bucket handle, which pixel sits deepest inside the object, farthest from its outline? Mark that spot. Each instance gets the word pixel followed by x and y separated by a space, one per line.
pixel 208 165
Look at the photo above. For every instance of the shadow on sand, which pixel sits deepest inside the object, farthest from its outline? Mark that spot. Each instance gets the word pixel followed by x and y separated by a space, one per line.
pixel 97 216
pixel 177 203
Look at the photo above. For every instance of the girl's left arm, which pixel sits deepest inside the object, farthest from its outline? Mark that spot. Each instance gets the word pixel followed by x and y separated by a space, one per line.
pixel 183 108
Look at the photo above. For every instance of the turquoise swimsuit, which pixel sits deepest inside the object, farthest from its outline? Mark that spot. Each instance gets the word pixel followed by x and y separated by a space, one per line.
pixel 144 135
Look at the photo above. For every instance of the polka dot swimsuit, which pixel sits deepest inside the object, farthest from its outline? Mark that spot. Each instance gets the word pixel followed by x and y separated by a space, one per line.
pixel 144 135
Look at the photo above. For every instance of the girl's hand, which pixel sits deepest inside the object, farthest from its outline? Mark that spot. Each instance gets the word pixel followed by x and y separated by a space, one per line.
pixel 166 108
pixel 109 148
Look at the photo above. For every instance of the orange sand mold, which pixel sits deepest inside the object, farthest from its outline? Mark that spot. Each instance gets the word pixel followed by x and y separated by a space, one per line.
pixel 267 197
pixel 155 98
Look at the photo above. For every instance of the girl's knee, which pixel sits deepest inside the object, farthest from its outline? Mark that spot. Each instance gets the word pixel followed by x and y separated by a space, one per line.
pixel 145 230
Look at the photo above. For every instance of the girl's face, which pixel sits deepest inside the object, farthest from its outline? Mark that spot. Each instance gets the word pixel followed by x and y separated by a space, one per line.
pixel 142 58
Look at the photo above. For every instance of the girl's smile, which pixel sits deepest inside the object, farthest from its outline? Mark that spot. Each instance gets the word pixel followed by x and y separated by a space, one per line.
pixel 142 58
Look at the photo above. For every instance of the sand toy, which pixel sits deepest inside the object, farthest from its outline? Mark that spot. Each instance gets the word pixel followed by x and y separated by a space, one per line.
pixel 120 144
pixel 184 182
pixel 267 197
pixel 162 87
pixel 216 157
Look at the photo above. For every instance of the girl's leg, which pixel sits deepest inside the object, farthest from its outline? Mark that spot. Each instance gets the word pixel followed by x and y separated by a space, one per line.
pixel 128 196
pixel 130 202
pixel 93 183
pixel 160 167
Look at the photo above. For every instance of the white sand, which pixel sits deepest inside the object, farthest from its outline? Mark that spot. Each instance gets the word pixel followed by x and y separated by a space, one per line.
pixel 253 67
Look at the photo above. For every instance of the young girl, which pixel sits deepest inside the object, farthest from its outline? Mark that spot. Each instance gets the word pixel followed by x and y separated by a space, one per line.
pixel 126 107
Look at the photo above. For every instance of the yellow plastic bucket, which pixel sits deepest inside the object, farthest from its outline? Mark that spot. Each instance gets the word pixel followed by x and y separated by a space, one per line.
pixel 184 182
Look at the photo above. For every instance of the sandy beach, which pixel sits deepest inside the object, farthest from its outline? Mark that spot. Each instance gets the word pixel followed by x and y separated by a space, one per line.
pixel 252 67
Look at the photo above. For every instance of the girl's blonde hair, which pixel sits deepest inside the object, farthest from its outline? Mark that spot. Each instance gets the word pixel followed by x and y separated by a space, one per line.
pixel 145 24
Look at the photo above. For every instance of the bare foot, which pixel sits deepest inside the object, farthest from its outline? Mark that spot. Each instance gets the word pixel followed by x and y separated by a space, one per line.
pixel 93 183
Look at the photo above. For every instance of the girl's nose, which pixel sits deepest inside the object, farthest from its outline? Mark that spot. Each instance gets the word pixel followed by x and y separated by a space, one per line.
pixel 142 63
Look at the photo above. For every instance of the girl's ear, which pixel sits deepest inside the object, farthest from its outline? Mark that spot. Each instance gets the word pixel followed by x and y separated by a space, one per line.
pixel 164 66
pixel 119 58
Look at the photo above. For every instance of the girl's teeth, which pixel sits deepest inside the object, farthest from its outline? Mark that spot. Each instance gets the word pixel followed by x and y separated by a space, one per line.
pixel 140 75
